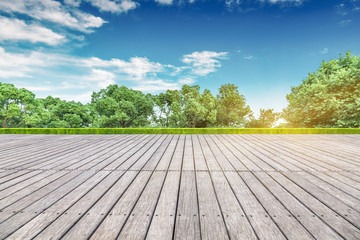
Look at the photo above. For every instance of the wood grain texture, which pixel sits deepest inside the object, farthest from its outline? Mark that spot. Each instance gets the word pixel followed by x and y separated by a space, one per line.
pixel 180 187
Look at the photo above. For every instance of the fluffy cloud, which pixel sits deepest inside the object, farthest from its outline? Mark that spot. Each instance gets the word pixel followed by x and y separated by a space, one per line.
pixel 156 85
pixel 20 65
pixel 165 2
pixel 76 74
pixel 236 3
pixel 136 69
pixel 100 78
pixel 283 1
pixel 15 29
pixel 205 62
pixel 114 6
pixel 324 51
pixel 53 11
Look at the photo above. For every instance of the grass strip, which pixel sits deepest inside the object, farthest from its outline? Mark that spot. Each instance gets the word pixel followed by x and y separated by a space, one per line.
pixel 93 131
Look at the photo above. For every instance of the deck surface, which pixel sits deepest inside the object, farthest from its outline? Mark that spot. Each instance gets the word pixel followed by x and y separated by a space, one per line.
pixel 180 186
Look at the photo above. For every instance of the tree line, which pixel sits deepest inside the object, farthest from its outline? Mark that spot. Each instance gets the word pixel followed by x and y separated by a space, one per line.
pixel 329 97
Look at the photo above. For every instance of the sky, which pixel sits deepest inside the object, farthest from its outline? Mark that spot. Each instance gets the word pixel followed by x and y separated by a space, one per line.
pixel 70 48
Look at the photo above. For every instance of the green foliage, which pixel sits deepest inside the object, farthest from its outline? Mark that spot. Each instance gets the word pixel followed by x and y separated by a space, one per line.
pixel 328 98
pixel 122 107
pixel 14 105
pixel 168 109
pixel 199 109
pixel 231 106
pixel 267 119
pixel 180 131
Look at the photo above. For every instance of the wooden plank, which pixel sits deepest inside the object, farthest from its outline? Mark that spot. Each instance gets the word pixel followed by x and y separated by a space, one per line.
pixel 132 155
pixel 336 222
pixel 199 159
pixel 211 219
pixel 45 159
pixel 162 224
pixel 232 150
pixel 255 159
pixel 150 164
pixel 311 222
pixel 176 163
pixel 24 161
pixel 139 219
pixel 320 158
pixel 114 220
pixel 266 156
pixel 23 214
pixel 117 158
pixel 290 227
pixel 211 163
pixel 334 191
pixel 64 212
pixel 103 153
pixel 19 191
pixel 330 201
pixel 187 222
pixel 264 227
pixel 167 158
pixel 236 221
pixel 95 215
pixel 188 160
pixel 227 160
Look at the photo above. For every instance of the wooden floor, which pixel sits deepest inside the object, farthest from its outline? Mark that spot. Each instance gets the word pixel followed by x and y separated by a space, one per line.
pixel 180 186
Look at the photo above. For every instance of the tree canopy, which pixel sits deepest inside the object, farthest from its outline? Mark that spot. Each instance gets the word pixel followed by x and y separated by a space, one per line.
pixel 122 107
pixel 329 97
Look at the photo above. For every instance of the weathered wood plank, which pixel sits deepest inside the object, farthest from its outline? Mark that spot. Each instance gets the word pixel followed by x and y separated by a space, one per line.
pixel 311 222
pixel 338 223
pixel 264 227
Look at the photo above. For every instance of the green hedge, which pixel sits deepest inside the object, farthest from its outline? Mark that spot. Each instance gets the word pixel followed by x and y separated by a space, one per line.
pixel 179 130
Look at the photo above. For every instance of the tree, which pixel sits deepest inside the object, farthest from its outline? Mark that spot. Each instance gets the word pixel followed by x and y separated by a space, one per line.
pixel 199 109
pixel 267 119
pixel 168 109
pixel 231 106
pixel 14 105
pixel 122 107
pixel 329 97
pixel 65 114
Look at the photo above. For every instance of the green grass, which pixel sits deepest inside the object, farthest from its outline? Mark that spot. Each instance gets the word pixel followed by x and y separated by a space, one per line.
pixel 179 130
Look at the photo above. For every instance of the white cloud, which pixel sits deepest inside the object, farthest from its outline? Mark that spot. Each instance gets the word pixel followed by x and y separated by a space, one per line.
pixel 165 2
pixel 283 1
pixel 74 3
pixel 30 68
pixel 114 6
pixel 15 29
pixel 137 68
pixel 53 11
pixel 82 97
pixel 249 57
pixel 230 4
pixel 324 51
pixel 204 62
pixel 100 78
pixel 20 65
pixel 345 23
pixel 158 85
pixel 187 80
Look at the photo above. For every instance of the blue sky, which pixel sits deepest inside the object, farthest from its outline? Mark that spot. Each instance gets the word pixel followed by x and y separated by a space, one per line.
pixel 70 48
